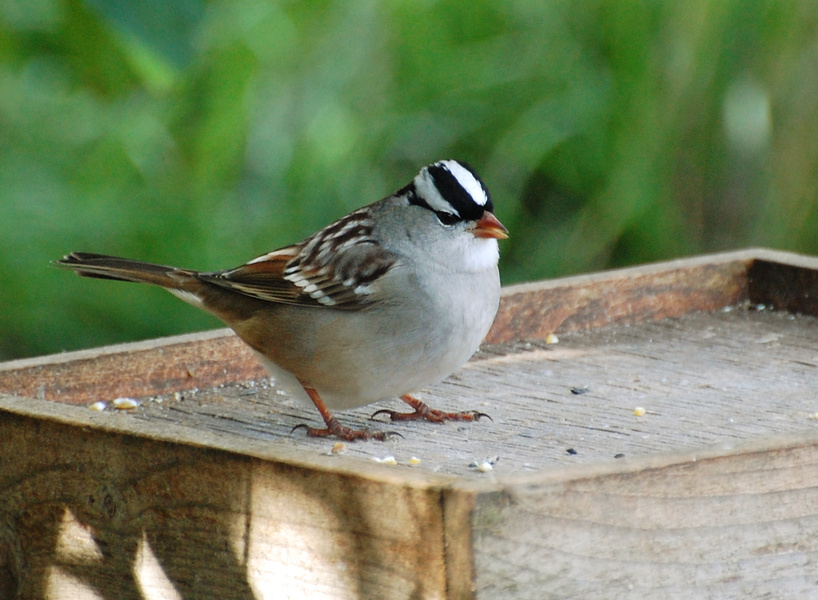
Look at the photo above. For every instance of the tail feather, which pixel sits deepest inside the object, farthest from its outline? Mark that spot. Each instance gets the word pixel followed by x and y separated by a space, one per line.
pixel 102 266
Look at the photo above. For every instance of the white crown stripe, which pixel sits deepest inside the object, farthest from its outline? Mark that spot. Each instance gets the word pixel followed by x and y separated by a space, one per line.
pixel 466 180
pixel 426 188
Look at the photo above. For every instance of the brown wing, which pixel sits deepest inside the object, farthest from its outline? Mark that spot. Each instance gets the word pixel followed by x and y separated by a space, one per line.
pixel 261 278
pixel 327 269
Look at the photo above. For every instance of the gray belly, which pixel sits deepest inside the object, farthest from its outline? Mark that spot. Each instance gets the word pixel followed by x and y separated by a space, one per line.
pixel 353 358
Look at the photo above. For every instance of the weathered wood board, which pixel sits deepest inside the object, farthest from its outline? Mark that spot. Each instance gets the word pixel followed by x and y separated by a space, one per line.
pixel 203 491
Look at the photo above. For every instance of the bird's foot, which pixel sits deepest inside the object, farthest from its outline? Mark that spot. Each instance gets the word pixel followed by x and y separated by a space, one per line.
pixel 334 428
pixel 424 412
pixel 347 434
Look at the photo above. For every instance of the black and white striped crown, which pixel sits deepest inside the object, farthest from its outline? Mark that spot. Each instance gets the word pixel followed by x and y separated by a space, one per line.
pixel 452 190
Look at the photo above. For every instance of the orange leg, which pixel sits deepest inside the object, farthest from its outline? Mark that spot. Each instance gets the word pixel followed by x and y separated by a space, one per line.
pixel 422 411
pixel 334 427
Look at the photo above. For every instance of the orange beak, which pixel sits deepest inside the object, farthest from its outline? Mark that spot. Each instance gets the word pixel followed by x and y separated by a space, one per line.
pixel 489 226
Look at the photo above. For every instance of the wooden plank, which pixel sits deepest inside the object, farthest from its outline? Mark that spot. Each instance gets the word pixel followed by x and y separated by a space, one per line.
pixel 668 289
pixel 139 369
pixel 721 522
pixel 114 516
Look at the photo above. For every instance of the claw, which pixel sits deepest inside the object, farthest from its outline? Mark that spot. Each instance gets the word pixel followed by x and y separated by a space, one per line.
pixel 384 411
pixel 479 415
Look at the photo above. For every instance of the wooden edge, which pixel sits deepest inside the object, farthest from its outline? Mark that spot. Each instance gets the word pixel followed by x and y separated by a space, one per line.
pixel 785 280
pixel 722 521
pixel 790 285
pixel 124 348
pixel 519 485
pixel 138 369
pixel 633 294
pixel 456 506
pixel 268 450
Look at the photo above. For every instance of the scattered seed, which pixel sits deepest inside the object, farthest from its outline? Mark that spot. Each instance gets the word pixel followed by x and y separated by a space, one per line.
pixel 98 406
pixel 125 403
pixel 480 465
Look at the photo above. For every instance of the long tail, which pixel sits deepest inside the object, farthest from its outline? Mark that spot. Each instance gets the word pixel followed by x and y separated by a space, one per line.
pixel 232 307
pixel 102 266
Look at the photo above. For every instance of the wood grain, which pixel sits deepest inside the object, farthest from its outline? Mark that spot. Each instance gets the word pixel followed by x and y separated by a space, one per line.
pixel 113 515
pixel 735 524
pixel 133 370
pixel 624 296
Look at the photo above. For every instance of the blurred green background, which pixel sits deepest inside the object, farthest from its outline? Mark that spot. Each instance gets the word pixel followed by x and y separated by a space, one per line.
pixel 202 133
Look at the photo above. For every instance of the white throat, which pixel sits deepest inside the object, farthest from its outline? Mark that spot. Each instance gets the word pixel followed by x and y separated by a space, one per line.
pixel 481 254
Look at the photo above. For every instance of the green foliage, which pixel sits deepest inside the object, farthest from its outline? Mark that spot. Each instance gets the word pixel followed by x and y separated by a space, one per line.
pixel 203 133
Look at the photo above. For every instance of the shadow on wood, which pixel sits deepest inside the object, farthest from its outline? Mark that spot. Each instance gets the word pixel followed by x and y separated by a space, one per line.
pixel 111 518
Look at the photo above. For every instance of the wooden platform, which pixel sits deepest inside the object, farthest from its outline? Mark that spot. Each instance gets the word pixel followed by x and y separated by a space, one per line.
pixel 203 492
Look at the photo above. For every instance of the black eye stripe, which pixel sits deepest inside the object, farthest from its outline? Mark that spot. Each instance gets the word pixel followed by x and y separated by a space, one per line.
pixel 447 218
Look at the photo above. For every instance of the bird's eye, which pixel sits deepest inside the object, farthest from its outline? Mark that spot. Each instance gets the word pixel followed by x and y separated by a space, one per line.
pixel 447 219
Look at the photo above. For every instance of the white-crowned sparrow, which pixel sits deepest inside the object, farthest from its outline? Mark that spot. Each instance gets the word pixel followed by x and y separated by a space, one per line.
pixel 391 298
